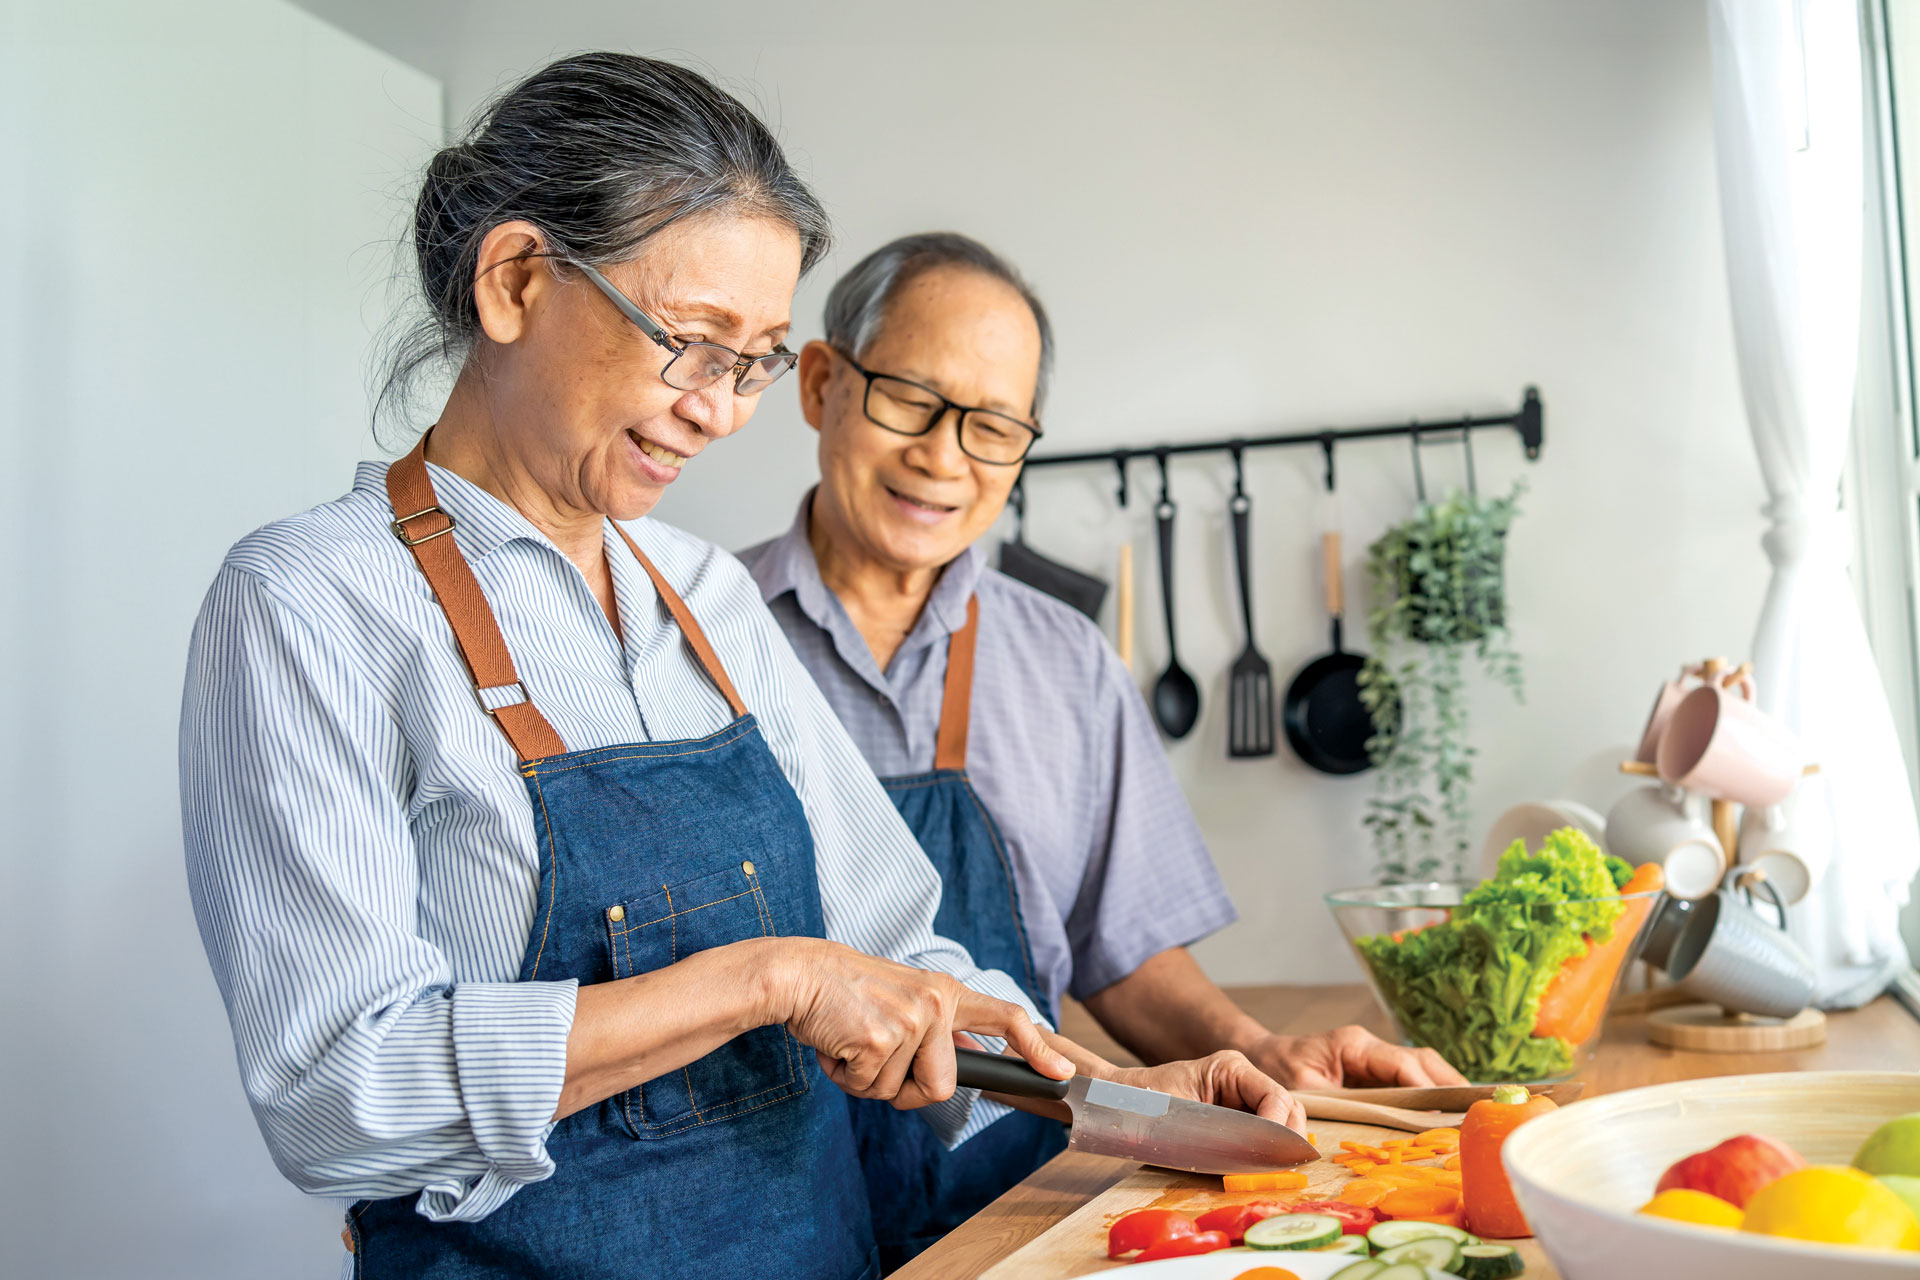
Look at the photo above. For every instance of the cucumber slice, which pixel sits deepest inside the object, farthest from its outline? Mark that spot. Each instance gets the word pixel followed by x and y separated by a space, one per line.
pixel 1348 1244
pixel 1490 1262
pixel 1437 1252
pixel 1385 1235
pixel 1294 1231
pixel 1402 1271
pixel 1360 1270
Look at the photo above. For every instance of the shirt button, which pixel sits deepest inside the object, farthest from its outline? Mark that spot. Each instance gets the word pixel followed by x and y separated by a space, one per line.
pixel 747 867
pixel 616 913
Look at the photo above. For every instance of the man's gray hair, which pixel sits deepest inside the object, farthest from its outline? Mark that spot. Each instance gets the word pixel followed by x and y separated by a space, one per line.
pixel 857 307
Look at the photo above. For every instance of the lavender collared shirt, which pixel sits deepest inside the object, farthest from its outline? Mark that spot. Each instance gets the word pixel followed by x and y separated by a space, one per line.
pixel 1107 857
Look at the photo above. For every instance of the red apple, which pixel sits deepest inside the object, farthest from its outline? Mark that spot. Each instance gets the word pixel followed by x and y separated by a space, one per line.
pixel 1734 1170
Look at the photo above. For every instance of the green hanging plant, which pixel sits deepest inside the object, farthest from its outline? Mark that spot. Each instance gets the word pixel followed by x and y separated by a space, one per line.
pixel 1439 586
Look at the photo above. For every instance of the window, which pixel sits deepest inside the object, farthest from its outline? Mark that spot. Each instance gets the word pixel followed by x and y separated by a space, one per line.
pixel 1882 483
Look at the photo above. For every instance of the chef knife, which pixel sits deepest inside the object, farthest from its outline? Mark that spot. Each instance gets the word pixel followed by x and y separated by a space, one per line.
pixel 1112 1119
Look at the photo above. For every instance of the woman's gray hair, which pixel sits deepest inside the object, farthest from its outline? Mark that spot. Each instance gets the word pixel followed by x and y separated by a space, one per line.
pixel 601 152
pixel 857 307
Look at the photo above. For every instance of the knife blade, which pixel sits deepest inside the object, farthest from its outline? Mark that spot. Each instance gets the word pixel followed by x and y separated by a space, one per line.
pixel 1111 1119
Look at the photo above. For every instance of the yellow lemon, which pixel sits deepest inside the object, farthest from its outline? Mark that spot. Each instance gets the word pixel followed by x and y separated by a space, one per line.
pixel 1833 1205
pixel 1697 1207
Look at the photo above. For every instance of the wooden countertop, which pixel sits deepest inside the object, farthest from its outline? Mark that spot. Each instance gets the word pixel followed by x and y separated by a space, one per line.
pixel 1882 1036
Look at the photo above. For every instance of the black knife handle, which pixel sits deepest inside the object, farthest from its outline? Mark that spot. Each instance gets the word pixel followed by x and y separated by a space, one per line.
pixel 998 1073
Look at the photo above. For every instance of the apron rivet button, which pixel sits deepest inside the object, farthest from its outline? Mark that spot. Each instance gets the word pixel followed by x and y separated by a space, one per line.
pixel 616 914
pixel 747 867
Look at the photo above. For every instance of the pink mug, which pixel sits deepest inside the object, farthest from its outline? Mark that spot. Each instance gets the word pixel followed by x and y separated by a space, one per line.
pixel 1663 704
pixel 1719 743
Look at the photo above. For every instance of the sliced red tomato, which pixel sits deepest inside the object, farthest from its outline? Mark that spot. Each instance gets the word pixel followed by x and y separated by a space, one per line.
pixel 1234 1219
pixel 1146 1228
pixel 1354 1220
pixel 1182 1246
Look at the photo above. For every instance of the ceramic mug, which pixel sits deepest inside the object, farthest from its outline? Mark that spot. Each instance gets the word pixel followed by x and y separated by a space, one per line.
pixel 1533 822
pixel 1657 824
pixel 1669 922
pixel 1728 955
pixel 1663 704
pixel 1719 743
pixel 1793 859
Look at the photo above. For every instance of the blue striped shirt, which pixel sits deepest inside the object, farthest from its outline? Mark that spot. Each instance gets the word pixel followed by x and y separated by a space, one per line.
pixel 360 847
pixel 1109 862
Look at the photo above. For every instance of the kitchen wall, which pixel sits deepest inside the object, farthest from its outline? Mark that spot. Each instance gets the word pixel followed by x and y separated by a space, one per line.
pixel 197 202
pixel 1259 216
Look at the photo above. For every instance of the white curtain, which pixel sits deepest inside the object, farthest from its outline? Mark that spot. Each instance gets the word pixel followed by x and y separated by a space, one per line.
pixel 1787 112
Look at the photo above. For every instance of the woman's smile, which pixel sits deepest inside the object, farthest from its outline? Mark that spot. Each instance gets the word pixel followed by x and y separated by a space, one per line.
pixel 655 461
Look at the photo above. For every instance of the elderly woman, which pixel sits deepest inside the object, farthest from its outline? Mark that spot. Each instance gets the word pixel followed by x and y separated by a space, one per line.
pixel 1005 729
pixel 545 892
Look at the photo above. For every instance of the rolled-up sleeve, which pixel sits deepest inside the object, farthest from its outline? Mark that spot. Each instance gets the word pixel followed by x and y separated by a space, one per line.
pixel 878 891
pixel 1149 882
pixel 371 1072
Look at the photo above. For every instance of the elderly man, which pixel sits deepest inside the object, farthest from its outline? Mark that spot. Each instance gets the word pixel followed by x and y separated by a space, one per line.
pixel 1004 727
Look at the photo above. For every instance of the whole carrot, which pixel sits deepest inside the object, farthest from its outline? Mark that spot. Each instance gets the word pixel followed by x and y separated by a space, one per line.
pixel 1574 1001
pixel 1486 1198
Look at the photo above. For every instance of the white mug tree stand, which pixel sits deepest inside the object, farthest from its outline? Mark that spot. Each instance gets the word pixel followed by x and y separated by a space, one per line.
pixel 1707 1027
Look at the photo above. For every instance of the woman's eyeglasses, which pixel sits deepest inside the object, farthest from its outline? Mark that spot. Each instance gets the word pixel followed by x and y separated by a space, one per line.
pixel 695 366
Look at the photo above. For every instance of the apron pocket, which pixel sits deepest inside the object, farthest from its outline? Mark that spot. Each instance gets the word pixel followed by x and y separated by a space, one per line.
pixel 747 1073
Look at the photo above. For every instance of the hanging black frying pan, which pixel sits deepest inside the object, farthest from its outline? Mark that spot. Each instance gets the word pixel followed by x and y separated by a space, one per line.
pixel 1327 724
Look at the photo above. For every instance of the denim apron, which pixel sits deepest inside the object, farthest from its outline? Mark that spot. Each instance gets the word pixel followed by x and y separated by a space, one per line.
pixel 919 1189
pixel 740 1163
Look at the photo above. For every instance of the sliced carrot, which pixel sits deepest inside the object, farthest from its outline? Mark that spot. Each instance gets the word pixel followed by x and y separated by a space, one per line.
pixel 1397 1142
pixel 1279 1180
pixel 1364 1193
pixel 1419 1202
pixel 1448 1180
pixel 1438 1135
pixel 1314 1139
pixel 1399 1175
pixel 1452 1165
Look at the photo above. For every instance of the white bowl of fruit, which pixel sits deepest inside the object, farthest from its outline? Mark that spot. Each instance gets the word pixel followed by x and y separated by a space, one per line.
pixel 1770 1177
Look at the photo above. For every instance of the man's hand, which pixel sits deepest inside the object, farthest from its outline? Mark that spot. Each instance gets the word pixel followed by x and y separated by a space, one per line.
pixel 1349 1057
pixel 1225 1079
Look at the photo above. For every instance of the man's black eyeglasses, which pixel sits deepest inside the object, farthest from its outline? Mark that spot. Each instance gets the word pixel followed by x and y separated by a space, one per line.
pixel 909 408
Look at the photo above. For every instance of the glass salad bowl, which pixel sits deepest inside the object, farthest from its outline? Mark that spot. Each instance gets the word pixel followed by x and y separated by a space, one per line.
pixel 1506 984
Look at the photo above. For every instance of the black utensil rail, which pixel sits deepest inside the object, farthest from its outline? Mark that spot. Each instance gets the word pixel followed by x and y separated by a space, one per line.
pixel 1529 421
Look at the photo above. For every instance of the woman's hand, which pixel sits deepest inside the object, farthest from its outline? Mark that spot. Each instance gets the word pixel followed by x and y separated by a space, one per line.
pixel 1225 1079
pixel 1349 1057
pixel 884 1030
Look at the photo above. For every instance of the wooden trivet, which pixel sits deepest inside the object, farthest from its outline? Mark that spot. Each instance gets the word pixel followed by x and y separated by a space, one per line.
pixel 1711 1029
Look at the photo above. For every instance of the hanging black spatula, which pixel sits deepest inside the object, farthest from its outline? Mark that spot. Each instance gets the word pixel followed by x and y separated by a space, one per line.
pixel 1250 683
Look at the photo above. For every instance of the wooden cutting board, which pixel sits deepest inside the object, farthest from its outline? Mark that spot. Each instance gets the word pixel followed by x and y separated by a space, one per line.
pixel 1077 1244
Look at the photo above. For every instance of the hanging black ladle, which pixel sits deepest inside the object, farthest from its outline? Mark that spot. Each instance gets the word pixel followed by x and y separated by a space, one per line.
pixel 1176 698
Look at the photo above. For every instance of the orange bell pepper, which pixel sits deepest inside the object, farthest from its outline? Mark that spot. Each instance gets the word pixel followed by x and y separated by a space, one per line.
pixel 1279 1180
pixel 1486 1197
pixel 1419 1202
pixel 1365 1193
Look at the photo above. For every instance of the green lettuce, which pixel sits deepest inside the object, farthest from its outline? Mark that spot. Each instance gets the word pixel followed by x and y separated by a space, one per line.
pixel 1470 987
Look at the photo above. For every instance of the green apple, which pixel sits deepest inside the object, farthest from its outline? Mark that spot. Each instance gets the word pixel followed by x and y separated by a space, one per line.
pixel 1906 1188
pixel 1894 1148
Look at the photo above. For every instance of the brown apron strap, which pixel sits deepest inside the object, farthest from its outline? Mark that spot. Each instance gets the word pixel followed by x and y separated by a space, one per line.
pixel 688 627
pixel 421 525
pixel 956 701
